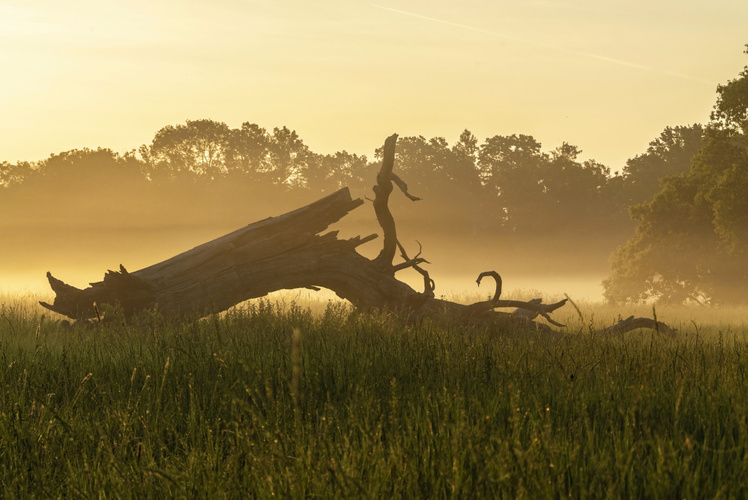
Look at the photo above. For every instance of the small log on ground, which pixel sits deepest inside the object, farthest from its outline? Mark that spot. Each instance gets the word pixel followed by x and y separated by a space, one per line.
pixel 632 323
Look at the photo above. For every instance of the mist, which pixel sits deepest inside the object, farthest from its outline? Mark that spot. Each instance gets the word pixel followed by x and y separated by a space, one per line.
pixel 543 220
pixel 668 226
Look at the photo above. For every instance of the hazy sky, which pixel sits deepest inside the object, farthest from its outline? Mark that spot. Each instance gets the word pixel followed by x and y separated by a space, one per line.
pixel 606 76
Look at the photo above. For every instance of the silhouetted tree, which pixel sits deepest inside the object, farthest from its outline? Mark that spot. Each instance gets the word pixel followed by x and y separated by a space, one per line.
pixel 12 174
pixel 196 150
pixel 463 169
pixel 422 161
pixel 731 110
pixel 667 155
pixel 248 153
pixel 692 238
pixel 464 178
pixel 87 170
pixel 78 187
pixel 574 193
pixel 289 158
pixel 327 173
pixel 512 169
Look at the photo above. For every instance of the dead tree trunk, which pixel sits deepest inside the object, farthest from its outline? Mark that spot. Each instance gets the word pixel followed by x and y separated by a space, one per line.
pixel 293 251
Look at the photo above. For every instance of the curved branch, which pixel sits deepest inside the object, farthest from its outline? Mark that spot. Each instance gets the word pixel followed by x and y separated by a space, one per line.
pixel 497 279
pixel 490 304
pixel 428 284
pixel 526 311
pixel 407 261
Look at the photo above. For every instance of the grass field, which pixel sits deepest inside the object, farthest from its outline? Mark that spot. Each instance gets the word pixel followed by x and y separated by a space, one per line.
pixel 288 401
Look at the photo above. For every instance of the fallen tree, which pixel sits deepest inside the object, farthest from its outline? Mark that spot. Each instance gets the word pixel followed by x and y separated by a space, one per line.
pixel 293 251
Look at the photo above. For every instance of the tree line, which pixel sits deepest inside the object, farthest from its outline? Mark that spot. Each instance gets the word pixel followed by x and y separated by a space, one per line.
pixel 505 184
pixel 683 198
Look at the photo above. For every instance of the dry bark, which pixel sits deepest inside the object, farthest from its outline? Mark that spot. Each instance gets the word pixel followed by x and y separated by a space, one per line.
pixel 294 251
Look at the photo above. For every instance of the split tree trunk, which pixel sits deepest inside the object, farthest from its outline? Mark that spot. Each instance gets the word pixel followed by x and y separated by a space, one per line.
pixel 293 251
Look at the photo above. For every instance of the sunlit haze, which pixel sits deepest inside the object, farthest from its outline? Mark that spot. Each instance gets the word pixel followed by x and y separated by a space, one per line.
pixel 605 76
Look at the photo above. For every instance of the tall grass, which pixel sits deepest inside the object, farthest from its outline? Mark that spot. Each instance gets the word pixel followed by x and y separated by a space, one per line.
pixel 356 405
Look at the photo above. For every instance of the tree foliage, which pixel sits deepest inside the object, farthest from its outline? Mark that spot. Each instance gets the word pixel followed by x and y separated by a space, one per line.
pixel 198 148
pixel 667 155
pixel 731 110
pixel 13 173
pixel 691 242
pixel 505 185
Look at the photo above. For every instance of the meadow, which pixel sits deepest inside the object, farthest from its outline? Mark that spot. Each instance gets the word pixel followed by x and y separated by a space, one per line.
pixel 278 399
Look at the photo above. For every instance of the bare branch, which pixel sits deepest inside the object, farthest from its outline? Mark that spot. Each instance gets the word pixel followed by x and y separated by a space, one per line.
pixel 420 249
pixel 382 191
pixel 408 264
pixel 526 311
pixel 532 305
pixel 428 284
pixel 486 305
pixel 403 187
pixel 358 240
pixel 408 261
pixel 497 279
pixel 631 323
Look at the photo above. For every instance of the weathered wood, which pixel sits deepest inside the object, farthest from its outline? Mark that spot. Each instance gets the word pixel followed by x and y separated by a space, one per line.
pixel 382 190
pixel 632 323
pixel 273 254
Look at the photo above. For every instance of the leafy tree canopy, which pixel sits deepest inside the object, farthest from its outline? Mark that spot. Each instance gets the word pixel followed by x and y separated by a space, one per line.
pixel 692 239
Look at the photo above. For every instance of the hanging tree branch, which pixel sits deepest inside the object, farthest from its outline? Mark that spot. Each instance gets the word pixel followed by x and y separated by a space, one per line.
pixel 428 284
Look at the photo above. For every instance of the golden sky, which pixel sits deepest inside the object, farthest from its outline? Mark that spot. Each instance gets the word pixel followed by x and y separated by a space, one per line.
pixel 606 76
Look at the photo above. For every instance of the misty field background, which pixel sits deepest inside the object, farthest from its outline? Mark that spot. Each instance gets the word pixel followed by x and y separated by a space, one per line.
pixel 302 400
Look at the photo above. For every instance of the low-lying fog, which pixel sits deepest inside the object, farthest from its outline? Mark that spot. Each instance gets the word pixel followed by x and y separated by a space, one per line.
pixel 545 266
